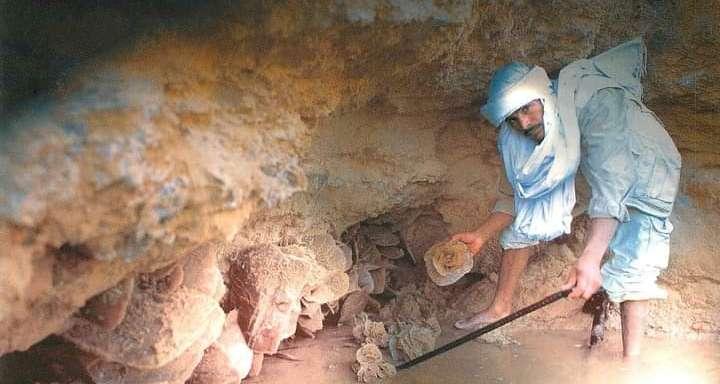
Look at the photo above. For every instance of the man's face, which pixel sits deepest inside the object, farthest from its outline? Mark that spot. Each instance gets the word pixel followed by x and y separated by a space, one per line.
pixel 529 120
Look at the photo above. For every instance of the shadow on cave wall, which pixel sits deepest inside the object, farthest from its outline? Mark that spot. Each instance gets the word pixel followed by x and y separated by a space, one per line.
pixel 43 41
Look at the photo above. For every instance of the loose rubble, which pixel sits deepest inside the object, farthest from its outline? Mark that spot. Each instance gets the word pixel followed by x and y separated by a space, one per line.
pixel 368 331
pixel 353 304
pixel 371 367
pixel 409 340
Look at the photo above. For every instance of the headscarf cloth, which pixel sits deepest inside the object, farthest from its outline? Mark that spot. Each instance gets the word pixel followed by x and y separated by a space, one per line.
pixel 542 175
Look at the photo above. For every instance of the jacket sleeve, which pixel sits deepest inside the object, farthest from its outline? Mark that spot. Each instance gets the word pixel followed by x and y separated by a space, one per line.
pixel 607 161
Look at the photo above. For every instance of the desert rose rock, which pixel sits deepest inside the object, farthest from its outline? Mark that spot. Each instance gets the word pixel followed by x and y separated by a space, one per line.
pixel 164 317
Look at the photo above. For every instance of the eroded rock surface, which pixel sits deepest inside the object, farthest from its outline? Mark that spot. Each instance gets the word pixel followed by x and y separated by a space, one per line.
pixel 173 314
pixel 278 118
pixel 116 177
pixel 227 360
pixel 276 289
pixel 177 371
pixel 108 309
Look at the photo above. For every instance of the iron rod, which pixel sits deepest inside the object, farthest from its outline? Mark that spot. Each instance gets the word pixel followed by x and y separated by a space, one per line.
pixel 497 324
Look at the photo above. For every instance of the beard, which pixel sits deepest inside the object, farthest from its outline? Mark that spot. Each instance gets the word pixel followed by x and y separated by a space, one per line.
pixel 536 132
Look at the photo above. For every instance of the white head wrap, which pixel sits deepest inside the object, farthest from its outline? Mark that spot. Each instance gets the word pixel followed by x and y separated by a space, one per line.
pixel 541 175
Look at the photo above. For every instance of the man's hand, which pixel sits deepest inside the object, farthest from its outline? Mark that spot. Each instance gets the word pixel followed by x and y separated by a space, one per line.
pixel 584 278
pixel 474 241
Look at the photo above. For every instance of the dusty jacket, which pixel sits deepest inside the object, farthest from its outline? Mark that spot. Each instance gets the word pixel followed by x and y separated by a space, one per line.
pixel 627 157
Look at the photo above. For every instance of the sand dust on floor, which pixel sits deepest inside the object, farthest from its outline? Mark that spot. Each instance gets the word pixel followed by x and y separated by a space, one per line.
pixel 539 357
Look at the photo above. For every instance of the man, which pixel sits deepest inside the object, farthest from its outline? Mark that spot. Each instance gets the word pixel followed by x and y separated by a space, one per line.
pixel 592 116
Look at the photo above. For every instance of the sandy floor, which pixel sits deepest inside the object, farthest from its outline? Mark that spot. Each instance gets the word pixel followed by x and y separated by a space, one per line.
pixel 547 357
pixel 325 359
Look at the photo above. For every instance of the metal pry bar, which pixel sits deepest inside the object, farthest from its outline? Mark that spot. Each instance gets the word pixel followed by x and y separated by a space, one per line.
pixel 497 324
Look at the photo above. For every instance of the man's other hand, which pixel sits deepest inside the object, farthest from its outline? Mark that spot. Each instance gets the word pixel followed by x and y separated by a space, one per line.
pixel 584 279
pixel 474 241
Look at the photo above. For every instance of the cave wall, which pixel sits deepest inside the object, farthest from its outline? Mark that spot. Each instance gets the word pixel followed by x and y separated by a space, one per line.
pixel 313 116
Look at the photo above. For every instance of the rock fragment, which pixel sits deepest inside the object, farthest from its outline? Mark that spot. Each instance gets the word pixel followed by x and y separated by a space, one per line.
pixel 409 305
pixel 160 323
pixel 227 360
pixel 385 239
pixel 371 255
pixel 177 371
pixel 368 331
pixel 379 277
pixel 365 279
pixel 108 308
pixel 328 253
pixel 354 303
pixel 422 231
pixel 448 261
pixel 409 340
pixel 330 288
pixel 392 253
pixel 267 285
pixel 370 366
pixel 311 318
